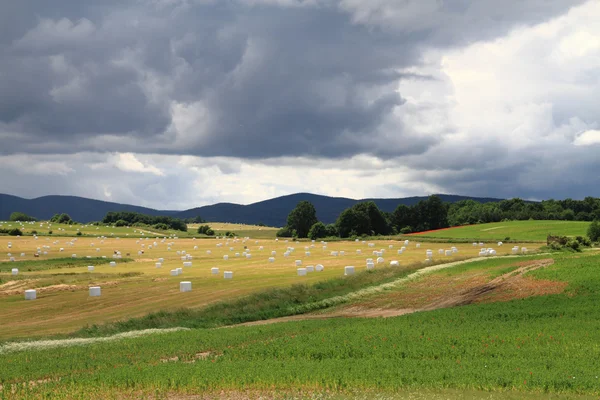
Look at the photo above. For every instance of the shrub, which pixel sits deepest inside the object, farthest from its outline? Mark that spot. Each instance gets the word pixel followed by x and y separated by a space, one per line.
pixel 405 230
pixel 79 233
pixel 161 226
pixel 121 222
pixel 593 232
pixel 49 232
pixel 285 232
pixel 15 232
pixel 317 231
pixel 34 232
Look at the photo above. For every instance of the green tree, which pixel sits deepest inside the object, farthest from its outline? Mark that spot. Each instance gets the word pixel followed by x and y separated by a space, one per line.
pixel 594 231
pixel 302 218
pixel 19 216
pixel 317 231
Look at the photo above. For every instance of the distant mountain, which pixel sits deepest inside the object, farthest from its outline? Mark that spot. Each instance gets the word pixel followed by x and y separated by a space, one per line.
pixel 272 212
pixel 79 208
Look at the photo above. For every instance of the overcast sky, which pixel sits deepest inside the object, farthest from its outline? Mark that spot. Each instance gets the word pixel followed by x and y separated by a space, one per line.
pixel 174 104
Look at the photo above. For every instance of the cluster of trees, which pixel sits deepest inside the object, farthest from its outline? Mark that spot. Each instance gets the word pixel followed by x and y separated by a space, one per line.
pixel 206 230
pixel 471 212
pixel 366 219
pixel 11 232
pixel 22 217
pixel 62 219
pixel 127 218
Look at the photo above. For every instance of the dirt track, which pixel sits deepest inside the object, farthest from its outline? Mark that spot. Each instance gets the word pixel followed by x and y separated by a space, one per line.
pixel 507 286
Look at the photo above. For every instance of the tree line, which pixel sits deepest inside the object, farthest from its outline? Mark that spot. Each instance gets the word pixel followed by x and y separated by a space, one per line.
pixel 128 218
pixel 366 219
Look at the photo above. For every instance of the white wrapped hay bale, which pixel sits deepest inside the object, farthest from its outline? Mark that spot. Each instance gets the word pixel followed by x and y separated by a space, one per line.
pixel 474 244
pixel 30 294
pixel 334 253
pixel 228 275
pixel 349 270
pixel 248 256
pixel 310 268
pixel 515 249
pixel 161 260
pixel 15 271
pixel 22 254
pixel 418 245
pixel 371 244
pixel 73 255
pixel 12 259
pixel 500 244
pixel 271 259
pixel 187 264
pixel 208 252
pixel 158 265
pixel 524 250
pixel 113 264
pixel 400 252
pixel 406 242
pixel 307 253
pixel 441 251
pixel 370 265
pixel 90 268
pixel 214 270
pixel 298 263
pixel 319 268
pixel 179 271
pixel 185 286
pixel 380 260
pixel 448 253
pixel 174 272
pixel 391 246
pixel 342 252
pixel 394 263
pixel 359 251
pixel 273 253
pixel 95 291
pixel 301 271
pixel 225 257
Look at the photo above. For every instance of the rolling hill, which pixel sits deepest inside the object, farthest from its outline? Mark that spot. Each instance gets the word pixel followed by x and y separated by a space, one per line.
pixel 272 212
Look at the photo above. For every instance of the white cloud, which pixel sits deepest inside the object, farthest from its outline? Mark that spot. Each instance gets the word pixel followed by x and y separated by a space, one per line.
pixel 128 162
pixel 588 138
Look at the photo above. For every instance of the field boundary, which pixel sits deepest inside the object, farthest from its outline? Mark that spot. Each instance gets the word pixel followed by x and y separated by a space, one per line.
pixel 51 344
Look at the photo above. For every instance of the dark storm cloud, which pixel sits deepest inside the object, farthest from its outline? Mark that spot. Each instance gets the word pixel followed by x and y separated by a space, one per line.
pixel 272 79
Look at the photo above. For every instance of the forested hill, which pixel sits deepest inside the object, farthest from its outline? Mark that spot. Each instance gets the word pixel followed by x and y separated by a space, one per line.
pixel 272 212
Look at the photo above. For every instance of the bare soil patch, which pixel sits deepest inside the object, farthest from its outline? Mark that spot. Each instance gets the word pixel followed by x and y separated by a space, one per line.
pixel 437 291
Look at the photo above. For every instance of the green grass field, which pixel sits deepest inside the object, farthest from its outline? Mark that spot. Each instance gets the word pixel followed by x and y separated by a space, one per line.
pixel 524 231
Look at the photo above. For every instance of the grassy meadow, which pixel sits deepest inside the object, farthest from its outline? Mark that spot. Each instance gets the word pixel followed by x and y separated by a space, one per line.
pixel 524 231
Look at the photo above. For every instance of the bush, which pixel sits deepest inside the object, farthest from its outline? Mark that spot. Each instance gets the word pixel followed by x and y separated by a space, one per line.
pixel 79 233
pixel 593 232
pixel 161 226
pixel 121 222
pixel 285 232
pixel 34 232
pixel 49 232
pixel 12 232
pixel 506 239
pixel 584 241
pixel 405 230
pixel 317 231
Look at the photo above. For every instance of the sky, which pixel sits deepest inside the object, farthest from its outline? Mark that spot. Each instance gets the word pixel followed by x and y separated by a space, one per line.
pixel 174 104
